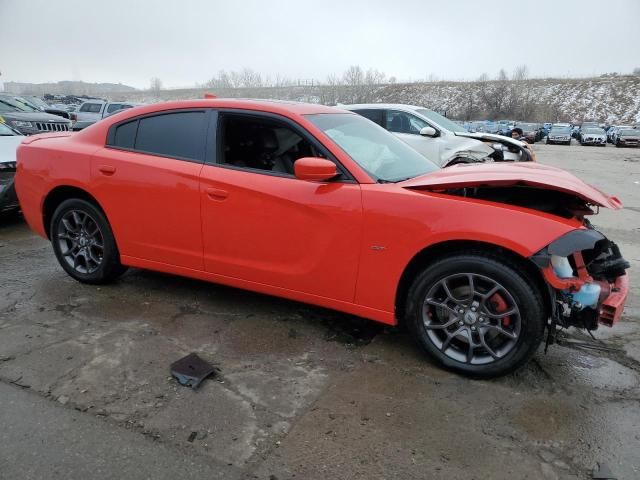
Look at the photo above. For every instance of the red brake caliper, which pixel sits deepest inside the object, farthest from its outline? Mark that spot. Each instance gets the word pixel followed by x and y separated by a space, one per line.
pixel 501 306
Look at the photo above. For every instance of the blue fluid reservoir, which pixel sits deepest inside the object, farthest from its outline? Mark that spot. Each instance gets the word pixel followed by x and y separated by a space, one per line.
pixel 588 295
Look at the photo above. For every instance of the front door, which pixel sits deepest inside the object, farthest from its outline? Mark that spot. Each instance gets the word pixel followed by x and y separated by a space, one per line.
pixel 407 127
pixel 262 224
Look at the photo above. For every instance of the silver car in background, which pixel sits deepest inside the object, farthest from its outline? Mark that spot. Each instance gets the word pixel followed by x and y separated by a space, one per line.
pixel 593 136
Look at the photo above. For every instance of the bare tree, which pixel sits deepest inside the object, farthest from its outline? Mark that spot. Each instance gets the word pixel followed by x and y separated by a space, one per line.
pixel 155 86
pixel 330 94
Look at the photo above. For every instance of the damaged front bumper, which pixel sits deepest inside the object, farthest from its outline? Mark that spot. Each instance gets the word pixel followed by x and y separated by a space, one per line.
pixel 587 275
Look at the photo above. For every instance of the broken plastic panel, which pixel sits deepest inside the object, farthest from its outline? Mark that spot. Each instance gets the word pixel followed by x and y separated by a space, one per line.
pixel 191 370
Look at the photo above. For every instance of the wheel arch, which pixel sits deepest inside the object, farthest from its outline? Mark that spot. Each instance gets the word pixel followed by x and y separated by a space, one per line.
pixel 426 256
pixel 58 195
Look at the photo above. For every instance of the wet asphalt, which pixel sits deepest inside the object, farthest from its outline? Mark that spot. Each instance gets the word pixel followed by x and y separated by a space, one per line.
pixel 299 392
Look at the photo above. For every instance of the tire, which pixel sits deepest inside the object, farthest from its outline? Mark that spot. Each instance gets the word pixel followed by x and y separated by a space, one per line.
pixel 517 291
pixel 84 243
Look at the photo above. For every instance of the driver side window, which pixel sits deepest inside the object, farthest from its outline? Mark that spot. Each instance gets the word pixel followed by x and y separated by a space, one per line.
pixel 402 122
pixel 253 142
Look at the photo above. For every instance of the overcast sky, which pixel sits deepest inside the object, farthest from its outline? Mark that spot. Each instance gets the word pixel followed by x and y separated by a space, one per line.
pixel 186 42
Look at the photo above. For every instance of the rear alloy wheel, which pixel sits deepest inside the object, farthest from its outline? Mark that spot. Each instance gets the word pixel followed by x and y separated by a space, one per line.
pixel 476 314
pixel 83 242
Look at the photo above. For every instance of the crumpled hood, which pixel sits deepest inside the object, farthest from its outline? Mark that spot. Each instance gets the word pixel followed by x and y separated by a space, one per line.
pixel 506 174
pixel 8 147
pixel 493 137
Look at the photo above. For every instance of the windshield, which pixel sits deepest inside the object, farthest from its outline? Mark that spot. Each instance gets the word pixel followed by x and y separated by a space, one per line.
pixel 23 102
pixel 7 107
pixel 527 126
pixel 385 157
pixel 440 121
pixel 633 133
pixel 23 107
pixel 596 131
pixel 561 130
pixel 6 131
pixel 38 102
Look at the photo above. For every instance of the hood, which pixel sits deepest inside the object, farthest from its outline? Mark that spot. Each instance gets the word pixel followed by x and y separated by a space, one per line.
pixel 8 146
pixel 34 117
pixel 506 174
pixel 491 136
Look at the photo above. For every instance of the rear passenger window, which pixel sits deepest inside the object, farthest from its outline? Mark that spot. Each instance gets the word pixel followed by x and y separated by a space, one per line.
pixel 91 107
pixel 376 116
pixel 177 135
pixel 113 107
pixel 125 136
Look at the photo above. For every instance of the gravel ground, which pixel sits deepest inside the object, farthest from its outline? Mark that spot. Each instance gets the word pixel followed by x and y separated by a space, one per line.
pixel 300 392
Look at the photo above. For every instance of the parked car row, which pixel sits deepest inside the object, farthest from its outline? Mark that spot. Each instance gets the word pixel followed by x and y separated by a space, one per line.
pixel 28 119
pixel 79 116
pixel 587 133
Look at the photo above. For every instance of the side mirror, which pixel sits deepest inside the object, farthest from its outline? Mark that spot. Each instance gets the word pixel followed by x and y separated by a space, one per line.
pixel 315 169
pixel 428 132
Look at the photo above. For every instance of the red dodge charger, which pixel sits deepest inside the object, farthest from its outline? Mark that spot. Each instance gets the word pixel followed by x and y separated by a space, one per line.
pixel 323 206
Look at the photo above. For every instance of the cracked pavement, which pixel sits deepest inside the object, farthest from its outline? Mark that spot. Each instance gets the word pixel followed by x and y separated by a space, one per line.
pixel 301 391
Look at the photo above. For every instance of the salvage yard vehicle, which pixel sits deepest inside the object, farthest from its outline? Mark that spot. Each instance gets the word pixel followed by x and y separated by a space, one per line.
pixel 530 131
pixel 39 104
pixel 559 134
pixel 28 120
pixel 612 133
pixel 323 206
pixel 627 137
pixel 593 136
pixel 439 139
pixel 91 111
pixel 9 141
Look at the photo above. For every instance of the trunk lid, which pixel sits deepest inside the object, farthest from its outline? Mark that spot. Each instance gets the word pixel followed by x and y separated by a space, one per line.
pixel 506 174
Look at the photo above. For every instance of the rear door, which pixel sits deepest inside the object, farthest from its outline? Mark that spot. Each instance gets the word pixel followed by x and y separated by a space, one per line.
pixel 147 180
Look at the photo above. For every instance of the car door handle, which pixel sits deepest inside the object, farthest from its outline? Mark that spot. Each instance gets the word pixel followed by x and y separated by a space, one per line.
pixel 107 169
pixel 216 193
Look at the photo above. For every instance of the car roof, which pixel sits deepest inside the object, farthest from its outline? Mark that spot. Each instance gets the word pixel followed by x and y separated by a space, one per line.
pixel 275 106
pixel 396 106
pixel 284 108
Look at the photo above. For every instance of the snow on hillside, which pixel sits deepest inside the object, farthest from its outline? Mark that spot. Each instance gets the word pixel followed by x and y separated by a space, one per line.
pixel 612 100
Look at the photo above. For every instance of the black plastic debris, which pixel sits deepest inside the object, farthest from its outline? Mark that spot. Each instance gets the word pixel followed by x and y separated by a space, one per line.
pixel 191 370
pixel 603 472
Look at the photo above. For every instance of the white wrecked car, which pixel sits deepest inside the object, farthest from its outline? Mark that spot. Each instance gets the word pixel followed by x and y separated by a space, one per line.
pixel 9 141
pixel 593 136
pixel 439 139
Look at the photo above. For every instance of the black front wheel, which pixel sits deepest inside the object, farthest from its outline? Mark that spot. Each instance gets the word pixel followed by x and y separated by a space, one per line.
pixel 476 314
pixel 83 242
